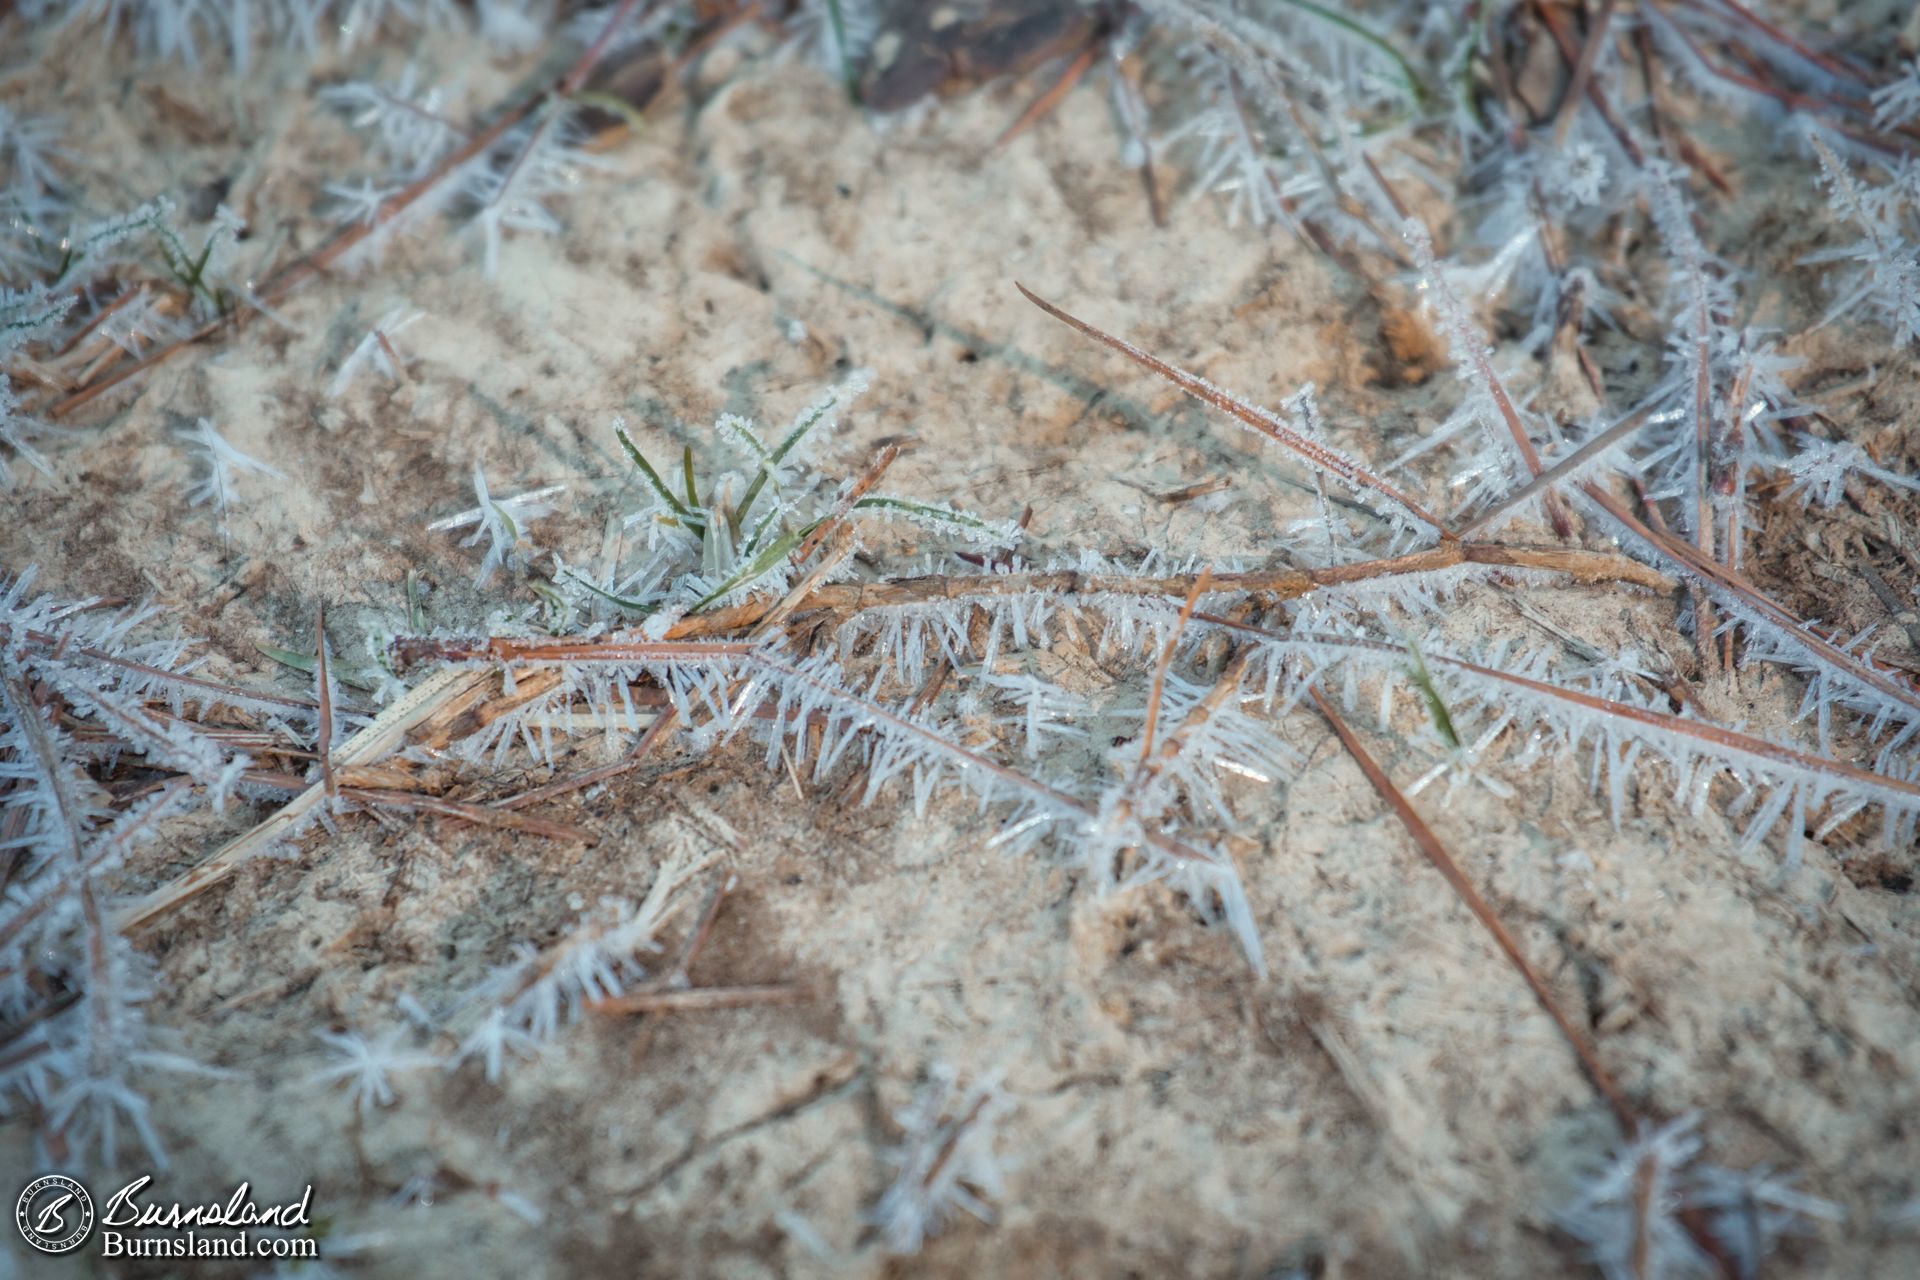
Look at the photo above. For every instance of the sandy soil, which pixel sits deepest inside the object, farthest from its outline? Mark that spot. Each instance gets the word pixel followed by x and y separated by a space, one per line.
pixel 1389 1102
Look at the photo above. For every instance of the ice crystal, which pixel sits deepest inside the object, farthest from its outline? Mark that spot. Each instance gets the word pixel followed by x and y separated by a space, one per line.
pixel 376 349
pixel 221 465
pixel 946 1161
pixel 498 523
pixel 366 1068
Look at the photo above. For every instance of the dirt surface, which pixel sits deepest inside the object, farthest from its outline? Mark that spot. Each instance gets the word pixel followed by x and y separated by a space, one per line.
pixel 1389 1101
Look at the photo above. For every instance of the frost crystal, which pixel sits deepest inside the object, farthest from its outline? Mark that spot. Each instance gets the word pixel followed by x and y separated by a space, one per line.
pixel 946 1159
pixel 375 349
pixel 367 1068
pixel 499 522
pixel 222 463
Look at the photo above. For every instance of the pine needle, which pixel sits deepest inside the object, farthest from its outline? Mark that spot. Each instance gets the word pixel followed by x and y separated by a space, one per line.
pixel 1436 853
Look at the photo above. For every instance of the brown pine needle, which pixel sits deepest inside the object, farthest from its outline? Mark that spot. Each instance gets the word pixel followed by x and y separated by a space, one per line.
pixel 635 758
pixel 1055 93
pixel 1266 423
pixel 479 814
pixel 399 364
pixel 1160 671
pixel 1715 736
pixel 1713 573
pixel 697 940
pixel 1443 862
pixel 882 459
pixel 1582 73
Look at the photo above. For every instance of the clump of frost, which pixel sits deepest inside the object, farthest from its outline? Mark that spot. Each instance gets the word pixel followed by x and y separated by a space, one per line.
pixel 24 315
pixel 366 1068
pixel 946 1160
pixel 499 522
pixel 1897 102
pixel 375 349
pixel 222 463
pixel 1628 1210
pixel 524 1004
pixel 1820 469
pixel 1886 275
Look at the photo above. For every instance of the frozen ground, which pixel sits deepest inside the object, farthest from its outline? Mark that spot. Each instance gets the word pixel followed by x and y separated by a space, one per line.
pixel 1390 1100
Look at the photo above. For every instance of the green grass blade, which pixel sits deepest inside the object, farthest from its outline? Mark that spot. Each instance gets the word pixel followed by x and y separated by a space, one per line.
pixel 759 531
pixel 776 551
pixel 633 605
pixel 1373 40
pixel 653 477
pixel 304 663
pixel 847 74
pixel 1429 694
pixel 963 521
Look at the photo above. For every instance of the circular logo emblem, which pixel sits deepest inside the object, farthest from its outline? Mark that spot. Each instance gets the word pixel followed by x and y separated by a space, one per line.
pixel 55 1214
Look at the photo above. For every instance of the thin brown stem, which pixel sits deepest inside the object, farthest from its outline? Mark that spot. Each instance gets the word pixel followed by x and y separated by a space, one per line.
pixel 1582 72
pixel 1161 669
pixel 1268 424
pixel 478 814
pixel 1054 94
pixel 1436 853
pixel 324 678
